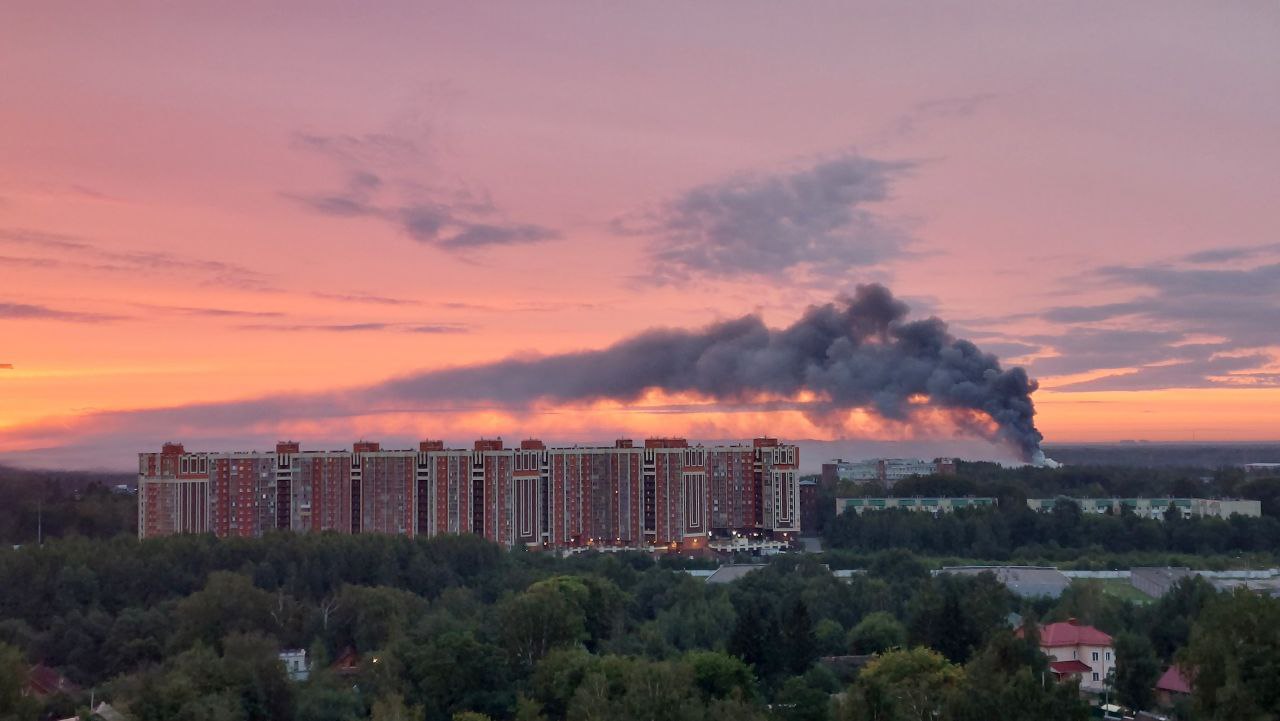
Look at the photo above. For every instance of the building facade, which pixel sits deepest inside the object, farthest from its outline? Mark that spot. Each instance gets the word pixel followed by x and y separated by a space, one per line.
pixel 928 505
pixel 1156 507
pixel 886 471
pixel 664 493
pixel 809 507
pixel 1077 651
pixel 1156 581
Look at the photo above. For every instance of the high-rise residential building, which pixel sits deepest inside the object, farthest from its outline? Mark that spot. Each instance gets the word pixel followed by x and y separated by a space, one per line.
pixel 178 495
pixel 664 493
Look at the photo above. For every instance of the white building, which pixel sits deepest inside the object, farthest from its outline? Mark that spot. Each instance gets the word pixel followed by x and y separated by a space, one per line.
pixel 885 470
pixel 1076 651
pixel 1157 507
pixel 295 663
pixel 928 505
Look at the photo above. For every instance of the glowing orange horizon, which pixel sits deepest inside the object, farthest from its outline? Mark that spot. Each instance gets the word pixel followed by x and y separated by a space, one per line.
pixel 169 236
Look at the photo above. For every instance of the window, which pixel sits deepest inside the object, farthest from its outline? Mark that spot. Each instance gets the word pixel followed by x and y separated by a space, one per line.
pixel 1095 655
pixel 1095 677
pixel 1108 655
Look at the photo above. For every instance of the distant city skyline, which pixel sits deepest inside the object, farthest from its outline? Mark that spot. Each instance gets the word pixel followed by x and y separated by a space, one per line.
pixel 229 224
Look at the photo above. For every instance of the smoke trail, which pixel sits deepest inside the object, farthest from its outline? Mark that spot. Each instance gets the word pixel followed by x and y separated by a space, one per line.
pixel 858 352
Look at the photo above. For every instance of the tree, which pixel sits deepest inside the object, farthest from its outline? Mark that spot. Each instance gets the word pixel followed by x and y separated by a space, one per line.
pixel 393 708
pixel 734 708
pixel 798 700
pixel 528 710
pixel 1020 696
pixel 538 620
pixel 957 614
pixel 1234 657
pixel 623 689
pixel 719 675
pixel 659 691
pixel 451 670
pixel 1011 674
pixel 830 637
pixel 324 698
pixel 1137 670
pixel 799 647
pixel 877 632
pixel 1168 620
pixel 245 683
pixel 756 636
pixel 228 603
pixel 903 685
pixel 371 617
pixel 557 677
pixel 14 706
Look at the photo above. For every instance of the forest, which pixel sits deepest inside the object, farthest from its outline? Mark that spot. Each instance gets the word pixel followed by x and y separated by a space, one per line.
pixel 54 504
pixel 1063 533
pixel 1013 532
pixel 456 628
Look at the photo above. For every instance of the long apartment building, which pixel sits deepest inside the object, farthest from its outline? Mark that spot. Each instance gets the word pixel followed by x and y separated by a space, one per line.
pixel 886 471
pixel 1157 508
pixel 664 493
pixel 929 505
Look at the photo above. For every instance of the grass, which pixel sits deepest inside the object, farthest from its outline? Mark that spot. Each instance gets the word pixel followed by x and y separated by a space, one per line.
pixel 1118 587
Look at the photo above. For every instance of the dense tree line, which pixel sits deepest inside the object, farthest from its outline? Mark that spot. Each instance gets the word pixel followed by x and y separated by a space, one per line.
pixel 1013 485
pixel 1005 532
pixel 63 503
pixel 1168 455
pixel 190 627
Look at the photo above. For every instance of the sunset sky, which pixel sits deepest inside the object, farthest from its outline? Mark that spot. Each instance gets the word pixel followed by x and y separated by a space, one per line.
pixel 210 212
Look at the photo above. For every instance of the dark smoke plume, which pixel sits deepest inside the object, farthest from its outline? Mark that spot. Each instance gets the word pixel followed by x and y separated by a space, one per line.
pixel 858 352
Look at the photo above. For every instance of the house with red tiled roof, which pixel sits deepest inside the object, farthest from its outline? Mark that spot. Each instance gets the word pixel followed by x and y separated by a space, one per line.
pixel 1173 686
pixel 348 663
pixel 1077 651
pixel 43 682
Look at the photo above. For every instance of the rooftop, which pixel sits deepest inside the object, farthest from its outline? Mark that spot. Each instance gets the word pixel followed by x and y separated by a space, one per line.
pixel 729 574
pixel 1026 581
pixel 1071 633
pixel 1072 666
pixel 1174 681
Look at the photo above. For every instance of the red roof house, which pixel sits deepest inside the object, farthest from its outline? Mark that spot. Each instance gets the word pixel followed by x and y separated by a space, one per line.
pixel 1071 633
pixel 1077 651
pixel 348 662
pixel 43 682
pixel 1173 685
pixel 1069 669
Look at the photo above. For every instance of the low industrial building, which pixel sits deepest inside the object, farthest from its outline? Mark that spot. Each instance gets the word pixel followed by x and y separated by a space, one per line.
pixel 931 505
pixel 729 574
pixel 1157 581
pixel 887 471
pixel 1025 581
pixel 1265 586
pixel 1156 507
